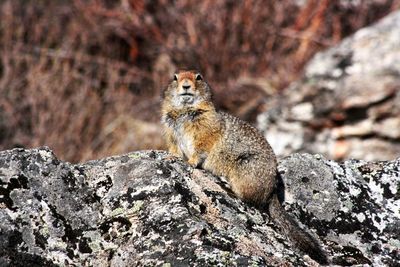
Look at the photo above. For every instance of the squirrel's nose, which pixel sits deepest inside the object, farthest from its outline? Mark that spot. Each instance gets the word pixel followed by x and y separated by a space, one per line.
pixel 186 87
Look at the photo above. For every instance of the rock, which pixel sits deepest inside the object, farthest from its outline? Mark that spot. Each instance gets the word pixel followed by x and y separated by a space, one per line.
pixel 145 209
pixel 389 128
pixel 353 206
pixel 350 94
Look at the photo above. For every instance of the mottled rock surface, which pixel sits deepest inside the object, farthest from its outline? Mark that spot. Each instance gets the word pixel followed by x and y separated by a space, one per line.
pixel 353 206
pixel 348 103
pixel 144 209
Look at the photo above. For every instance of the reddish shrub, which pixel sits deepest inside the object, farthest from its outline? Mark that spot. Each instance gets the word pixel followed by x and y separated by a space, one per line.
pixel 85 77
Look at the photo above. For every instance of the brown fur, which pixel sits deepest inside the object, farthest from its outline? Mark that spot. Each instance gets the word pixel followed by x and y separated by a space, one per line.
pixel 227 147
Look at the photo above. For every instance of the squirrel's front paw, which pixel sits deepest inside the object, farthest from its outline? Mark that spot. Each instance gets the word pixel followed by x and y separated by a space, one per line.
pixel 192 162
pixel 195 163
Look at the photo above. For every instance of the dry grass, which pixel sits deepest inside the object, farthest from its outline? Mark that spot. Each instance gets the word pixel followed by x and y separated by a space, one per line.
pixel 84 77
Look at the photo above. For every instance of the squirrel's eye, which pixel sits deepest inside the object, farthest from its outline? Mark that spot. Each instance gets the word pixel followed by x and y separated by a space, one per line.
pixel 175 77
pixel 199 77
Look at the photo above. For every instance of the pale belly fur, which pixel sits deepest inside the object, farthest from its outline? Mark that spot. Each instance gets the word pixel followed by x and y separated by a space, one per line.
pixel 185 143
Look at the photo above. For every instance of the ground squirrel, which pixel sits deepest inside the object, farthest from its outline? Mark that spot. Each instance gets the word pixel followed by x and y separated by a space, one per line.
pixel 229 147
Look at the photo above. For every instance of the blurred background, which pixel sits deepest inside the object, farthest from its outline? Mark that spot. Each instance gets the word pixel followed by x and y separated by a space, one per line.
pixel 85 77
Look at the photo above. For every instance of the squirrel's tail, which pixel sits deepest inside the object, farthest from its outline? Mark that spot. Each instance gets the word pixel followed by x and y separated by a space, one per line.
pixel 301 239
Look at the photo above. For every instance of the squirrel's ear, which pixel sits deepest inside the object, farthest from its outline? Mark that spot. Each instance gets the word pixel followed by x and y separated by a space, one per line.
pixel 199 77
pixel 175 77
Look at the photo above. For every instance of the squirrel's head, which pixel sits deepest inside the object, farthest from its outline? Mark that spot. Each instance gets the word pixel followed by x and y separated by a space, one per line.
pixel 187 89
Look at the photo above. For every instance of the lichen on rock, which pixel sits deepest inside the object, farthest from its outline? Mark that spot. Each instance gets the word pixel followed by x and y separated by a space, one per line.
pixel 354 206
pixel 144 209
